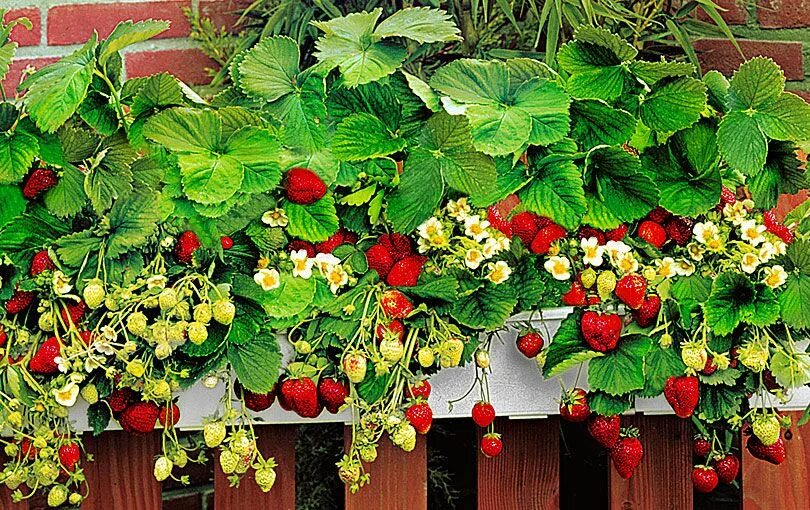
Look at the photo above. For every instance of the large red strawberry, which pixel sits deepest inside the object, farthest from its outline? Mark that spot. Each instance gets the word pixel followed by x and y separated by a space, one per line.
pixel 658 215
pixel 300 244
pixel 774 226
pixel 683 394
pixel 394 330
pixel 285 393
pixel 342 236
pixel 545 237
pixel 380 259
pixel 727 197
pixel 631 289
pixel 529 343
pixel 420 415
pixel 574 406
pixel 69 456
pixel 588 232
pixel 491 445
pixel 605 429
pixel 483 414
pixel 3 337
pixel 120 399
pixel 258 402
pixel 187 244
pixel 73 313
pixel 704 479
pixel 617 234
pixel 305 398
pixel 169 416
pixel 679 229
pixel 41 179
pixel 332 393
pixel 601 331
pixel 41 262
pixel 44 360
pixel 405 273
pixel 727 467
pixel 647 313
pixel 419 389
pixel 19 301
pixel 303 186
pixel 775 453
pixel 395 304
pixel 576 295
pixel 139 418
pixel 524 225
pixel 398 245
pixel 626 455
pixel 653 233
pixel 498 220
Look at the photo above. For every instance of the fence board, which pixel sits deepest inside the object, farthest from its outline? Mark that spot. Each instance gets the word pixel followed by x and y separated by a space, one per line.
pixel 5 501
pixel 526 474
pixel 765 485
pixel 398 478
pixel 662 481
pixel 274 441
pixel 120 476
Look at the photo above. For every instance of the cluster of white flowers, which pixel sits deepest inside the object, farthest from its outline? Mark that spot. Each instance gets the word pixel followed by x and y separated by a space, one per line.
pixel 328 266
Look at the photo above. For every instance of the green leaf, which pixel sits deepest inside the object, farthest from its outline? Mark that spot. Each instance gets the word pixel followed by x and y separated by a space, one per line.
pixel 653 72
pixel 127 33
pixel 7 52
pixel 719 403
pixel 210 178
pixel 626 193
pixel 268 71
pixel 421 24
pixel 787 118
pixel 556 191
pixel 717 86
pixel 313 222
pixel 303 115
pixel 444 288
pixel 68 197
pixel 104 186
pixel 594 122
pixel 363 136
pixel 694 287
pixel 606 39
pixel 621 370
pixel 99 113
pixel 17 153
pixel 675 105
pixel 157 91
pixel 659 365
pixel 290 298
pixel 791 371
pixel 373 387
pixel 258 151
pixel 607 405
pixel 487 308
pixel 798 254
pixel 13 203
pixel 742 143
pixel 783 174
pixel 567 348
pixel 98 417
pixel 132 221
pixel 736 299
pixel 757 83
pixel 423 92
pixel 185 129
pixel 595 62
pixel 256 363
pixel 794 301
pixel 419 192
pixel 56 91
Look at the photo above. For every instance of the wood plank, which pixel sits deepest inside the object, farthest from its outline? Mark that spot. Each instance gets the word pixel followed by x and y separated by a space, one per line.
pixel 398 478
pixel 526 474
pixel 786 486
pixel 120 476
pixel 274 441
pixel 662 481
pixel 5 501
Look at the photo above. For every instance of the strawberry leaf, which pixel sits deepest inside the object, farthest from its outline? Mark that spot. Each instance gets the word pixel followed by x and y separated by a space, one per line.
pixel 256 363
pixel 659 365
pixel 567 349
pixel 313 222
pixel 487 308
pixel 290 298
pixel 17 153
pixel 621 370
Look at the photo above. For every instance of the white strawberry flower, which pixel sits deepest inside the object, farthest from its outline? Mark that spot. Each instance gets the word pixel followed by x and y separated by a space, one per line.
pixel 430 228
pixel 705 232
pixel 559 267
pixel 268 279
pixel 302 264
pixel 337 278
pixel 767 251
pixel 666 267
pixel 109 334
pixel 473 258
pixel 775 276
pixel 458 209
pixel 491 248
pixel 752 233
pixel 615 249
pixel 592 252
pixel 696 251
pixel 62 364
pixel 685 267
pixel 93 362
pixel 499 272
pixel 157 281
pixel 61 283
pixel 749 262
pixel 627 263
pixel 275 218
pixel 325 262
pixel 735 213
pixel 781 247
pixel 103 346
pixel 476 228
pixel 66 395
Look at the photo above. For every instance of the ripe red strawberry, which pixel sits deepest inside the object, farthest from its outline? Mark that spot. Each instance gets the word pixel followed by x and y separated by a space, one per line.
pixel 727 468
pixel 332 393
pixel 491 445
pixel 139 418
pixel 704 478
pixel 187 244
pixel 19 301
pixel 258 402
pixel 169 420
pixel 647 313
pixel 530 343
pixel 305 398
pixel 395 304
pixel 27 449
pixel 73 313
pixel 226 242
pixel 380 259
pixel 605 429
pixel 69 456
pixel 588 232
pixel 626 455
pixel 774 226
pixel 3 337
pixel 41 262
pixel 498 220
pixel 710 367
pixel 333 242
pixel 87 337
pixel 679 229
pixel 120 399
pixel 683 394
pixel 285 393
pixel 601 331
pixel 701 447
pixel 394 330
pixel 576 295
pixel 770 381
pixel 543 222
pixel 775 453
pixel 483 414
pixel 420 415
pixel 727 196
pixel 545 237
pixel 406 272
pixel 43 361
pixel 658 215
pixel 303 186
pixel 631 289
pixel 653 233
pixel 40 180
pixel 300 244
pixel 617 234
pixel 398 245
pixel 574 406
pixel 524 225
pixel 419 389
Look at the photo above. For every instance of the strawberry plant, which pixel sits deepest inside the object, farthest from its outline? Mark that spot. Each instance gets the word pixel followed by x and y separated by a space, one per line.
pixel 387 225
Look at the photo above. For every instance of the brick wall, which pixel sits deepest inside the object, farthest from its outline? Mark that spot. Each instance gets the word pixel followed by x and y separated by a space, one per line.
pixel 59 26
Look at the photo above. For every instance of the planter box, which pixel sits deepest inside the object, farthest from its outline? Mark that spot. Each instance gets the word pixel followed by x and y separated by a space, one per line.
pixel 517 389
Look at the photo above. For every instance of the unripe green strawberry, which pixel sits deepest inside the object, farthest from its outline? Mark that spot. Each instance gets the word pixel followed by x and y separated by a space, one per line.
pixel 482 358
pixel 265 478
pixel 90 393
pixel 368 453
pixel 754 355
pixel 45 322
pixel 48 473
pixel 57 495
pixel 223 311
pixel 228 461
pixel 167 299
pixel 450 352
pixel 180 459
pixel 214 433
pixel 426 357
pixel 767 428
pixel 163 468
pixel 588 278
pixel 392 350
pixel 14 480
pixel 694 355
pixel 94 294
pixel 665 341
pixel 197 333
pixel 202 313
pixel 137 324
pixel 605 283
pixel 349 474
pixel 354 366
pixel 405 437
pixel 75 498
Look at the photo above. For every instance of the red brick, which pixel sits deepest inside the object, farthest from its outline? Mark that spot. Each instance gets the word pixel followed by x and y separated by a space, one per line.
pixel 735 12
pixel 17 66
pixel 188 65
pixel 22 35
pixel 720 54
pixel 224 13
pixel 783 13
pixel 74 24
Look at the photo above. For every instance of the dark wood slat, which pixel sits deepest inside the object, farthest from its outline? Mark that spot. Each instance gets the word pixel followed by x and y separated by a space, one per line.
pixel 526 474
pixel 398 478
pixel 274 441
pixel 5 501
pixel 662 481
pixel 120 476
pixel 786 486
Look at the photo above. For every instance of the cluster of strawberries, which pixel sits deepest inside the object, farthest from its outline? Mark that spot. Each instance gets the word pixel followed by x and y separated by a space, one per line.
pixel 301 395
pixel 393 257
pixel 137 416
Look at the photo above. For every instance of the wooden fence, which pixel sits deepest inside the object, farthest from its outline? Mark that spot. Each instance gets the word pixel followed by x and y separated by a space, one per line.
pixel 526 475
